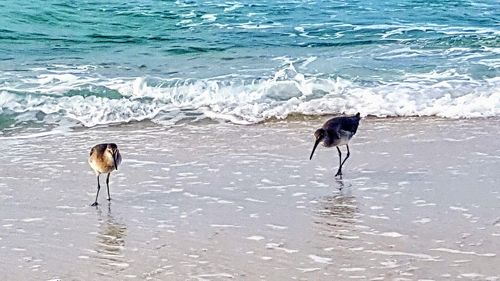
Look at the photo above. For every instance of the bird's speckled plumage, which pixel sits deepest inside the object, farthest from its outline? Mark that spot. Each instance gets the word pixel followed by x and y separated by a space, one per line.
pixel 101 160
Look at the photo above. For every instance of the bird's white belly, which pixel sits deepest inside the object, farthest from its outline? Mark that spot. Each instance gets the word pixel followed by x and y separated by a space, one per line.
pixel 345 136
pixel 343 141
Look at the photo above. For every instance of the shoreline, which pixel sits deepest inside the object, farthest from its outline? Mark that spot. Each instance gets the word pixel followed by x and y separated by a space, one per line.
pixel 18 133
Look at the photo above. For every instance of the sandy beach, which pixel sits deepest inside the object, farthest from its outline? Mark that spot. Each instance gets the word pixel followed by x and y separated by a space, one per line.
pixel 419 200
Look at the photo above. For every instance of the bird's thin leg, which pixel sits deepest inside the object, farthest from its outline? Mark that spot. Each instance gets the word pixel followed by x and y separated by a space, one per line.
pixel 107 185
pixel 348 153
pixel 97 195
pixel 339 171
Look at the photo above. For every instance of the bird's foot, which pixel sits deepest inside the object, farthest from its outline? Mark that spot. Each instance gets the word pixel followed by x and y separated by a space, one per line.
pixel 94 204
pixel 109 199
pixel 339 174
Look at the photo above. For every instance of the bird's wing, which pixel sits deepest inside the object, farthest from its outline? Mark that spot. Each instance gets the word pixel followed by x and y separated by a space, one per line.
pixel 98 148
pixel 349 124
pixel 332 127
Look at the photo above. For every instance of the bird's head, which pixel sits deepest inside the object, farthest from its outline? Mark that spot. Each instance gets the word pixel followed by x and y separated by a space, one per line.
pixel 319 135
pixel 112 149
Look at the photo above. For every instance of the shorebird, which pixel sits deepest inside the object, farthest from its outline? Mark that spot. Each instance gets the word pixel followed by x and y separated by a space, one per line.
pixel 336 132
pixel 104 158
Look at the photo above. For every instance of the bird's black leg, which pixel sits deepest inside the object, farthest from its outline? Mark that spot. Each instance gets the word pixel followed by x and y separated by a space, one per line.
pixel 342 164
pixel 348 154
pixel 107 185
pixel 339 172
pixel 97 195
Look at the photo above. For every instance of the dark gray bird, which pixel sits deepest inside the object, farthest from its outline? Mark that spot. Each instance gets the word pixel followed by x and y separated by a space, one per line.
pixel 104 158
pixel 336 132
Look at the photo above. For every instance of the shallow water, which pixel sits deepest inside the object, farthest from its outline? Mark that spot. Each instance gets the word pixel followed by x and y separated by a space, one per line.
pixel 419 200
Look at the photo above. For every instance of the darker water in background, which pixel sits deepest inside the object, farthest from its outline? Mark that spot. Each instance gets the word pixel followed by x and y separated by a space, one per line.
pixel 87 63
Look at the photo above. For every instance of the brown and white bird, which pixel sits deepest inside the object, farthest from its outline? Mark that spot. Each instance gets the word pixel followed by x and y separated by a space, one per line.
pixel 336 132
pixel 104 158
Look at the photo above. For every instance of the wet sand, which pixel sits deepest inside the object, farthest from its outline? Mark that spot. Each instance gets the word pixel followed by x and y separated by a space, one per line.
pixel 420 199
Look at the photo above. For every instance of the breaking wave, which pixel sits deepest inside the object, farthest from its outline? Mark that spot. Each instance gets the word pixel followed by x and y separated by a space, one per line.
pixel 91 100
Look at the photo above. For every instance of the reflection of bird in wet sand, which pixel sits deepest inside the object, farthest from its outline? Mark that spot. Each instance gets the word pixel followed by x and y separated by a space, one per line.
pixel 104 158
pixel 337 216
pixel 340 206
pixel 110 244
pixel 111 237
pixel 336 132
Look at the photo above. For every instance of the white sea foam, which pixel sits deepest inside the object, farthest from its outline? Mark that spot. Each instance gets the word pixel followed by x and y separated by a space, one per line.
pixel 233 7
pixel 319 259
pixel 255 238
pixel 306 270
pixel 278 246
pixel 453 251
pixel 391 30
pixel 225 226
pixel 214 275
pixel 277 227
pixel 385 234
pixel 120 100
pixel 209 17
pixel 397 253
pixel 32 219
pixel 352 269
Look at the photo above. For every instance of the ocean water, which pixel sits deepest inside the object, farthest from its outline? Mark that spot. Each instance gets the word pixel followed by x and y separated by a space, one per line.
pixel 86 63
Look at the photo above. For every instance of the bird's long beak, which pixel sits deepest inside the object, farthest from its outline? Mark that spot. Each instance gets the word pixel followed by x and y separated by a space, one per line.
pixel 115 155
pixel 314 148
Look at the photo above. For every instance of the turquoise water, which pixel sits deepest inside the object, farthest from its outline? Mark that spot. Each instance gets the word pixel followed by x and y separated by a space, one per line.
pixel 85 63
